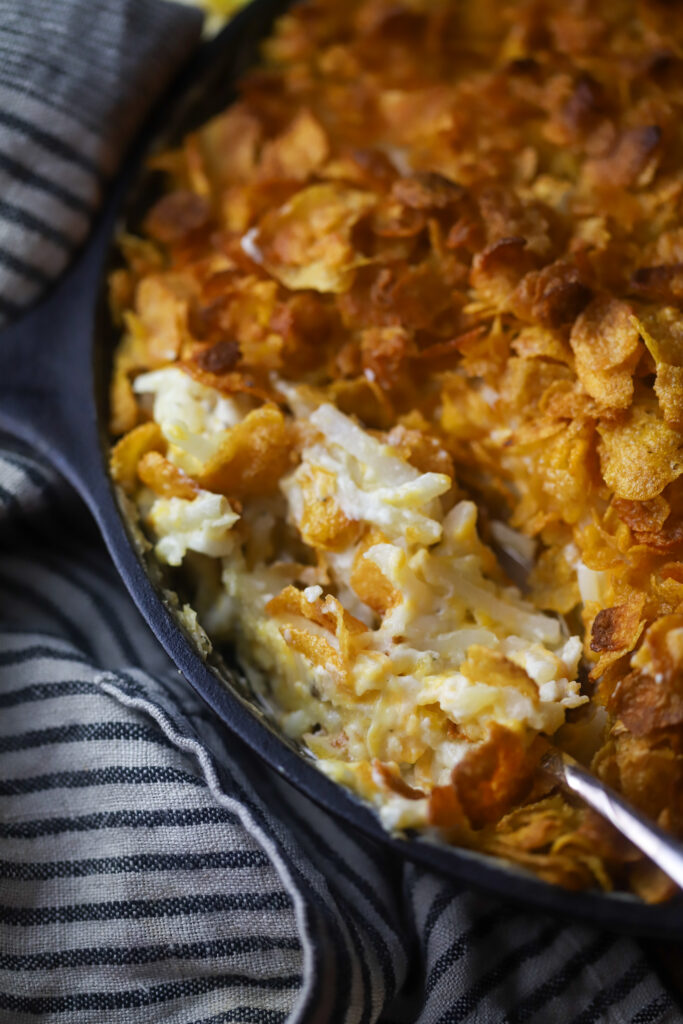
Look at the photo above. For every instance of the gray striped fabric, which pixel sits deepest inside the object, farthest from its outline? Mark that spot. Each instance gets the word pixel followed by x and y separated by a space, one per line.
pixel 67 70
pixel 150 868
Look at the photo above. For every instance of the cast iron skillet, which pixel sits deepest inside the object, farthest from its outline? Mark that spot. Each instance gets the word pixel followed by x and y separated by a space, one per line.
pixel 54 369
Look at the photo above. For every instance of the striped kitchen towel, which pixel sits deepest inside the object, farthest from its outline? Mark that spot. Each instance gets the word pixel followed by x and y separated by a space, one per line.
pixel 151 869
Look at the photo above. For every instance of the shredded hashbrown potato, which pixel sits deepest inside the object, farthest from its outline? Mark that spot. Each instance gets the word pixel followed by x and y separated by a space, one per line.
pixel 416 293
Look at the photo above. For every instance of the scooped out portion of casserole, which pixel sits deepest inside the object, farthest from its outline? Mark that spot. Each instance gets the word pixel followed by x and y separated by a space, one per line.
pixel 410 303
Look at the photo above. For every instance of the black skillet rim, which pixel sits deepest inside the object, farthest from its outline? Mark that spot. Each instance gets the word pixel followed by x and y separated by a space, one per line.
pixel 608 910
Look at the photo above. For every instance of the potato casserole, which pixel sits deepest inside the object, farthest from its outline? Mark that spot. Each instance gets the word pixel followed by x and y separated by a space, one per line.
pixel 399 391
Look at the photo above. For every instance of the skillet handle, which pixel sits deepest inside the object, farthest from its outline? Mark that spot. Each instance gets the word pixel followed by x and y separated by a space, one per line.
pixel 47 393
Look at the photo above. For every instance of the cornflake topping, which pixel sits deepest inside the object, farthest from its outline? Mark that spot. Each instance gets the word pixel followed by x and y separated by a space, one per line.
pixel 408 318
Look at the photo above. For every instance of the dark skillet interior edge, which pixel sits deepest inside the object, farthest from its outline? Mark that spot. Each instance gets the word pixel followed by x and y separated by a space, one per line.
pixel 204 89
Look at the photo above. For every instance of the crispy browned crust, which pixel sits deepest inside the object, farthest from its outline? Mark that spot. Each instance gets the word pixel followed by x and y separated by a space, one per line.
pixel 444 198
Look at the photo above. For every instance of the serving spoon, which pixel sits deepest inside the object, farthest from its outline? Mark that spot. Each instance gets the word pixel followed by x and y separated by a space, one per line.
pixel 54 371
pixel 662 849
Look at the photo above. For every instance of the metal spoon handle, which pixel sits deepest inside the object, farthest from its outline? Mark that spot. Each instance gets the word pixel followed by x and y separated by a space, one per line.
pixel 657 844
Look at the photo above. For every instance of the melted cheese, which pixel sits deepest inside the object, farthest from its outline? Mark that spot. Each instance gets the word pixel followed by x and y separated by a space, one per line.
pixel 402 691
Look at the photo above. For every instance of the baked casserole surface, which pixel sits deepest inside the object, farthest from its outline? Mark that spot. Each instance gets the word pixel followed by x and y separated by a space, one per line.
pixel 414 299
